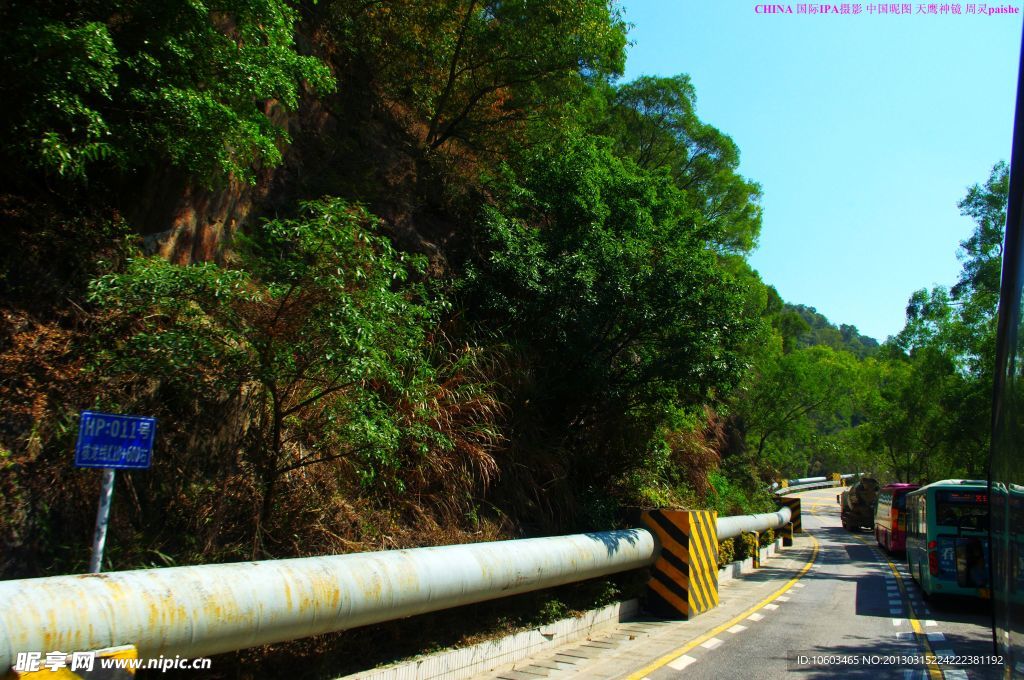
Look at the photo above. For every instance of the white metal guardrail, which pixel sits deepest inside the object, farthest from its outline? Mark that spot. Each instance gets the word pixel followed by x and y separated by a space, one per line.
pixel 805 483
pixel 730 527
pixel 812 485
pixel 807 480
pixel 211 609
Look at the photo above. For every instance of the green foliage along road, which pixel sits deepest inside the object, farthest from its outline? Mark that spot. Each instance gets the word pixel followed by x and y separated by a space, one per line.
pixel 405 273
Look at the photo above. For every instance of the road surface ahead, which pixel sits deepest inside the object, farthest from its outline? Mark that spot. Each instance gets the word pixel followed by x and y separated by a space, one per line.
pixel 835 595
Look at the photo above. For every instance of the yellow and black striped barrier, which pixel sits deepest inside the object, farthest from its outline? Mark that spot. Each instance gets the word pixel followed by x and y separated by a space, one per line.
pixel 787 535
pixel 793 503
pixel 684 579
pixel 755 553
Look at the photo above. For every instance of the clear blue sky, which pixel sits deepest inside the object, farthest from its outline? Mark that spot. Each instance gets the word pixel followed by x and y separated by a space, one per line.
pixel 864 132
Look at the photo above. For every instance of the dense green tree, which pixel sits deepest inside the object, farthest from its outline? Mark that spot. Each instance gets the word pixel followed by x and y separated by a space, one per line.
pixel 961 319
pixel 982 252
pixel 478 70
pixel 595 270
pixel 138 84
pixel 820 331
pixel 788 323
pixel 959 325
pixel 654 122
pixel 322 335
pixel 910 411
pixel 796 399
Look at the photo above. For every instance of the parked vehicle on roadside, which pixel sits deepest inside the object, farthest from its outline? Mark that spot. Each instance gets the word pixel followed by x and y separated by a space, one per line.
pixel 857 505
pixel 891 516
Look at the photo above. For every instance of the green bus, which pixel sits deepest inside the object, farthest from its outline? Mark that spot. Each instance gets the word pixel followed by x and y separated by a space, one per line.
pixel 947 538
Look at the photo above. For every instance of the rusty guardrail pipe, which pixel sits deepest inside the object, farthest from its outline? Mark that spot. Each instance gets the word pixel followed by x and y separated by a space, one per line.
pixel 210 609
pixel 215 608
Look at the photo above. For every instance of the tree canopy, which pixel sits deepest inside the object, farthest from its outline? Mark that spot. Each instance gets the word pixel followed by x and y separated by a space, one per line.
pixel 125 83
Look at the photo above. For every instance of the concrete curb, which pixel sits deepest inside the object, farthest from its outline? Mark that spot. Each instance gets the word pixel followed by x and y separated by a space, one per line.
pixel 492 655
pixel 737 569
pixel 470 662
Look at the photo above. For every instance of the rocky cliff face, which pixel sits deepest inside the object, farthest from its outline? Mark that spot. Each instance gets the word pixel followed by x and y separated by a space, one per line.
pixel 352 144
pixel 186 224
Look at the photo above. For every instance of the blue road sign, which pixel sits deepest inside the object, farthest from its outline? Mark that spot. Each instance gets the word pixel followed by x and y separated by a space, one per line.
pixel 109 441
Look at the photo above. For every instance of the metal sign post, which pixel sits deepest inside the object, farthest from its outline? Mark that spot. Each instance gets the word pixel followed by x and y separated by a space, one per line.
pixel 99 537
pixel 111 442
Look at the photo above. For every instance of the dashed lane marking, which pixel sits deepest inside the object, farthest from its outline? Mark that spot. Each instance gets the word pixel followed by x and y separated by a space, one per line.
pixel 756 617
pixel 700 640
pixel 933 669
pixel 681 663
pixel 711 644
pixel 737 629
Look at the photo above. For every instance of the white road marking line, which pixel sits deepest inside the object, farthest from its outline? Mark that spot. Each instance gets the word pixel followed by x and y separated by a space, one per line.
pixel 897 622
pixel 682 662
pixel 798 585
pixel 935 637
pixel 737 629
pixel 756 617
pixel 711 644
pixel 955 674
pixel 904 635
pixel 782 598
pixel 771 606
pixel 930 622
pixel 895 611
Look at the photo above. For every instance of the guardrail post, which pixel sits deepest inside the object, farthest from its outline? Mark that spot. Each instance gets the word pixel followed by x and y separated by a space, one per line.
pixel 793 503
pixel 684 579
pixel 787 535
pixel 755 556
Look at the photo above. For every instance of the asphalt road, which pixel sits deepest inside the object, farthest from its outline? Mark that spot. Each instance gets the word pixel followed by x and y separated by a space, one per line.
pixel 853 606
pixel 835 598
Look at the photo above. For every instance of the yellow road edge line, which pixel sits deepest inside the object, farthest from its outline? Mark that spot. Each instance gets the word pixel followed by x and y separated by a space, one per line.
pixel 934 671
pixel 671 656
